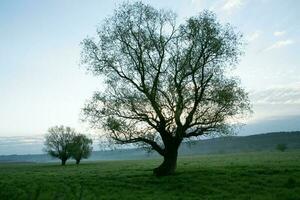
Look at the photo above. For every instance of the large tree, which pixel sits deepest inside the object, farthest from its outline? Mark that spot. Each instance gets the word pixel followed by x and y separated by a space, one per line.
pixel 58 142
pixel 165 82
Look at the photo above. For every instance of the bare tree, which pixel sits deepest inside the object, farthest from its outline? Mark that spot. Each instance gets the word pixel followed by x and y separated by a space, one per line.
pixel 58 142
pixel 81 147
pixel 165 82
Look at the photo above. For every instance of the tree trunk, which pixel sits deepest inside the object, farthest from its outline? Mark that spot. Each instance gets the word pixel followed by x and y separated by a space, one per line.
pixel 168 166
pixel 63 161
pixel 77 162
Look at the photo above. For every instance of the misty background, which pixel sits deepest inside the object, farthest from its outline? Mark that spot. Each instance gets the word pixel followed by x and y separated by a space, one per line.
pixel 42 83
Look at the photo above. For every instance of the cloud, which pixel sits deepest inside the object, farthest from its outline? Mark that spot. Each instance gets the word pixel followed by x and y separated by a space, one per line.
pixel 286 95
pixel 17 140
pixel 199 4
pixel 196 1
pixel 272 124
pixel 222 7
pixel 230 5
pixel 254 35
pixel 280 44
pixel 279 33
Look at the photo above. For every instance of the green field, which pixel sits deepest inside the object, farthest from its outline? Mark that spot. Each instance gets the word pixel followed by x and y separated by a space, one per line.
pixel 260 175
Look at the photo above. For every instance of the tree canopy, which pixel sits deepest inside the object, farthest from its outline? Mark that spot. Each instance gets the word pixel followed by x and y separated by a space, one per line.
pixel 164 81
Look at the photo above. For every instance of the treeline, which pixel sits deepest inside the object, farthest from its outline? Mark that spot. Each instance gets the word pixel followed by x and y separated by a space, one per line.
pixel 65 143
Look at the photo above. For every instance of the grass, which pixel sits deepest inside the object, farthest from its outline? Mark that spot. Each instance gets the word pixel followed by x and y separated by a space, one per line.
pixel 260 175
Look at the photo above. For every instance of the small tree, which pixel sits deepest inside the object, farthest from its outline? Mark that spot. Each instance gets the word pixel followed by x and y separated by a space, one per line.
pixel 58 142
pixel 81 147
pixel 281 147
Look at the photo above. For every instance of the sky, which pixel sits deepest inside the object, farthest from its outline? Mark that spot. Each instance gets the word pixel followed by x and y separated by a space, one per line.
pixel 42 83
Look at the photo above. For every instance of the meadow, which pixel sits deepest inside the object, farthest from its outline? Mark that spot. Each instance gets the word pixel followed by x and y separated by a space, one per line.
pixel 257 175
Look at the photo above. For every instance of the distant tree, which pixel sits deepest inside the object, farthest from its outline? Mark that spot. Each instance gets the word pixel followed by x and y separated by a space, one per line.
pixel 58 142
pixel 165 82
pixel 81 147
pixel 281 147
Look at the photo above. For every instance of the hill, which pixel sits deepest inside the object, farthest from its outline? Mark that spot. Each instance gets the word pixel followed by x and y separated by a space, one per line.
pixel 232 144
pixel 235 144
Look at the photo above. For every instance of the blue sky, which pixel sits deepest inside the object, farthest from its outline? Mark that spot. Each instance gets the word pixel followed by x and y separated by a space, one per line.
pixel 42 84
